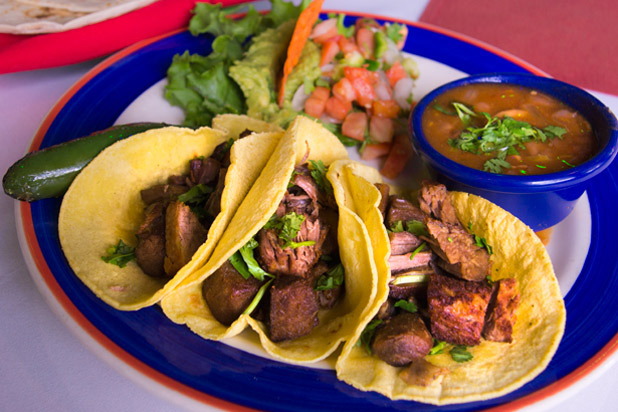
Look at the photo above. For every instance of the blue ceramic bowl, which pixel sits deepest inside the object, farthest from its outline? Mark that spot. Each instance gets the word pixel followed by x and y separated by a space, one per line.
pixel 540 201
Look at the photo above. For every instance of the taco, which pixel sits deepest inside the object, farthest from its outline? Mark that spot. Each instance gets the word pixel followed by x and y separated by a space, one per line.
pixel 467 306
pixel 311 253
pixel 157 203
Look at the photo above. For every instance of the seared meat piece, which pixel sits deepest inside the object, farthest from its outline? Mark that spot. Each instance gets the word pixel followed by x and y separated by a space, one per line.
pixel 457 309
pixel 501 314
pixel 403 242
pixel 293 308
pixel 422 373
pixel 433 199
pixel 213 204
pixel 228 294
pixel 204 171
pixel 326 298
pixel 291 261
pixel 330 219
pixel 184 234
pixel 162 193
pixel 384 191
pixel 402 210
pixel 462 257
pixel 403 263
pixel 307 184
pixel 222 154
pixel 403 339
pixel 180 180
pixel 295 203
pixel 150 249
pixel 405 291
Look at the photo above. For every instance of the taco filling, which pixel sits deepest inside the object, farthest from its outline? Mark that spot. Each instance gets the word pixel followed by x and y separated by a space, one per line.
pixel 439 292
pixel 291 266
pixel 179 213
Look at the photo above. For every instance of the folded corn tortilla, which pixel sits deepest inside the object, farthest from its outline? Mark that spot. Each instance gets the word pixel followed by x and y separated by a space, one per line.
pixel 497 368
pixel 304 140
pixel 103 204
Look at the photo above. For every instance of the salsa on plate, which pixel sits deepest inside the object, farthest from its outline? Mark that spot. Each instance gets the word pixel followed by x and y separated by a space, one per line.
pixel 509 129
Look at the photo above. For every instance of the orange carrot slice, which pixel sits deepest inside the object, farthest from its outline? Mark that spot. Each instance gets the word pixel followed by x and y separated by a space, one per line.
pixel 302 30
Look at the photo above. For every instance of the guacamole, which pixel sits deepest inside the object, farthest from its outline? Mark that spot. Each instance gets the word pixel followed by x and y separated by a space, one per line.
pixel 258 71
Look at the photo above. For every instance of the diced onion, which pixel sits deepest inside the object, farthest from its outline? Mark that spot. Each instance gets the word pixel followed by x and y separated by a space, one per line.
pixel 402 92
pixel 299 98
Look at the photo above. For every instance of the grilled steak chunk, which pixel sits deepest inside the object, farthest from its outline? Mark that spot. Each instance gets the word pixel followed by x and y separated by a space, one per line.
pixel 433 200
pixel 403 242
pixel 162 193
pixel 501 314
pixel 402 210
pixel 403 339
pixel 462 257
pixel 204 171
pixel 384 191
pixel 184 234
pixel 457 309
pixel 403 263
pixel 228 294
pixel 293 308
pixel 150 249
pixel 291 261
pixel 387 310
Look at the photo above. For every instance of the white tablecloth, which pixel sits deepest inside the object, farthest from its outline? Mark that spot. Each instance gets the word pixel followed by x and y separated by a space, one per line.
pixel 43 366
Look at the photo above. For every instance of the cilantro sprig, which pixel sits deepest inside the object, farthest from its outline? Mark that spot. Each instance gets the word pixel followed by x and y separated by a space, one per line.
pixel 244 262
pixel 119 255
pixel 499 136
pixel 367 335
pixel 288 227
pixel 318 173
pixel 331 279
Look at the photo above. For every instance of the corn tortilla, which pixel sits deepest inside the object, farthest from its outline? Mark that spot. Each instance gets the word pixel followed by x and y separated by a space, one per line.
pixel 497 368
pixel 304 140
pixel 103 203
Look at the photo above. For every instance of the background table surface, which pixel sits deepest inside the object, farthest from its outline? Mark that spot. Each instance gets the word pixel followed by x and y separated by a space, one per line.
pixel 43 366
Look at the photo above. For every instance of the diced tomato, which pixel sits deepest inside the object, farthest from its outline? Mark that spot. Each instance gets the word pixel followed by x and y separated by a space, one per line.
pixel 395 73
pixel 400 153
pixel 347 45
pixel 365 42
pixel 329 51
pixel 344 90
pixel 362 81
pixel 385 108
pixel 337 108
pixel 373 151
pixel 315 104
pixel 354 125
pixel 324 31
pixel 381 129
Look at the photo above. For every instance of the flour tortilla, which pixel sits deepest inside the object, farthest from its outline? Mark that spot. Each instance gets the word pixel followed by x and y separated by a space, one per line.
pixel 50 16
pixel 103 204
pixel 186 305
pixel 497 368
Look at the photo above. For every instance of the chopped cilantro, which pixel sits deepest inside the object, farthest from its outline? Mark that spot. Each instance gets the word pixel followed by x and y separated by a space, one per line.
pixel 372 65
pixel 418 249
pixel 438 347
pixel 460 354
pixel 119 255
pixel 407 306
pixel 288 227
pixel 501 136
pixel 331 279
pixel 367 335
pixel 198 194
pixel 253 267
pixel 416 227
pixel 318 173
